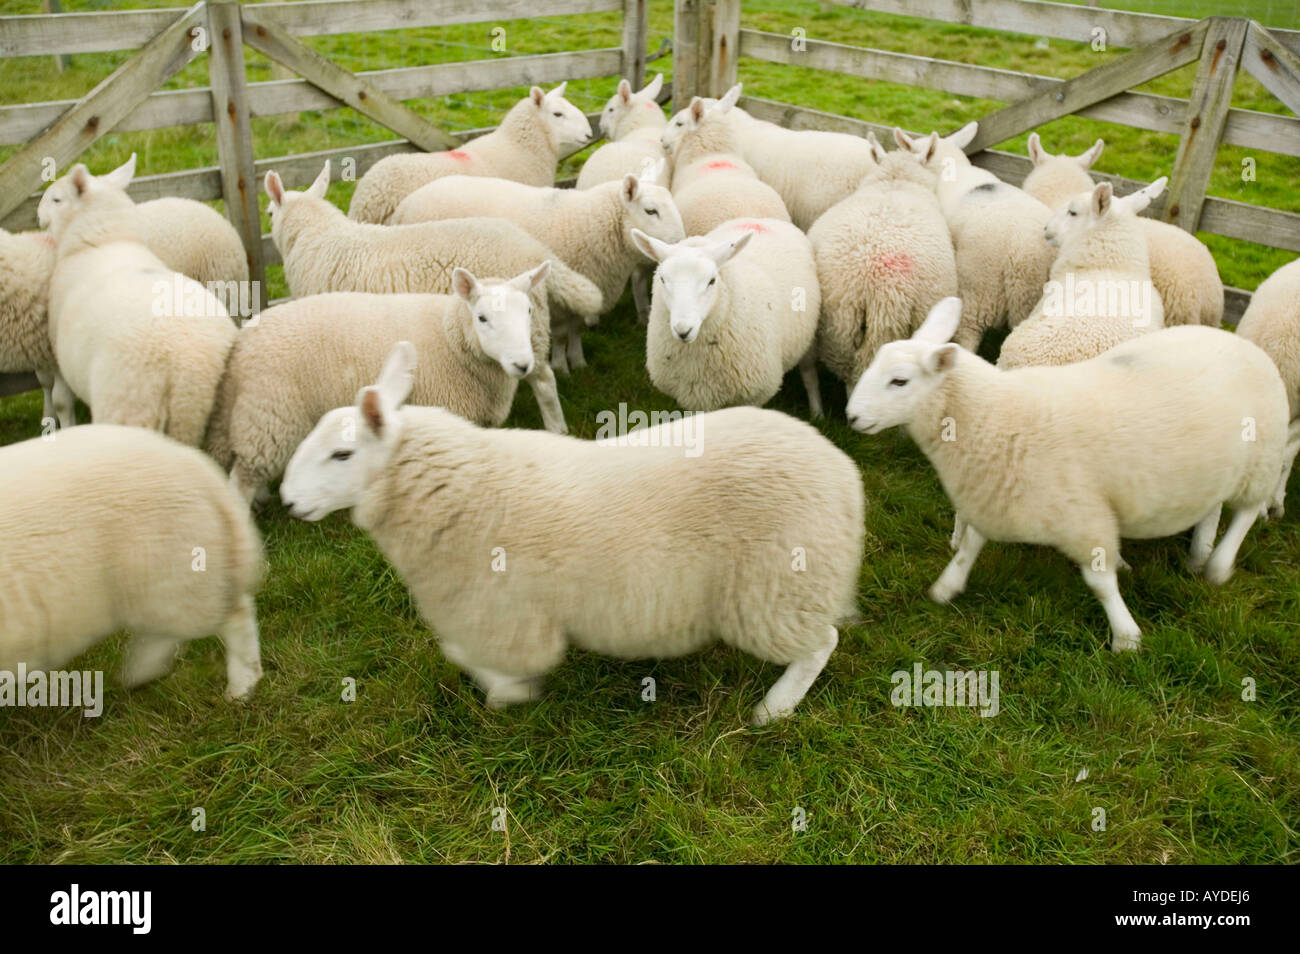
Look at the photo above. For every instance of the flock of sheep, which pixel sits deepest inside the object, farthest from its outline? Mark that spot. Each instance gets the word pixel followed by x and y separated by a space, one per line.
pixel 1117 407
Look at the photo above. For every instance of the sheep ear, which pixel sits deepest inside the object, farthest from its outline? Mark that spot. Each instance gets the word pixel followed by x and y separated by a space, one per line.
pixel 1093 154
pixel 121 176
pixel 372 410
pixel 651 248
pixel 559 90
pixel 631 186
pixel 1036 152
pixel 625 91
pixel 726 251
pixel 697 109
pixel 729 99
pixel 1101 197
pixel 653 173
pixel 398 374
pixel 464 284
pixel 941 323
pixel 531 279
pixel 317 188
pixel 942 359
pixel 537 94
pixel 903 139
pixel 80 178
pixel 274 187
pixel 962 137
pixel 931 145
pixel 655 86
pixel 877 150
pixel 1135 202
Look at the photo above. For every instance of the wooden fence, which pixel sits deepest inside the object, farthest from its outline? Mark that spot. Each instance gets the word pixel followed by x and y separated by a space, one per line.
pixel 167 40
pixel 710 41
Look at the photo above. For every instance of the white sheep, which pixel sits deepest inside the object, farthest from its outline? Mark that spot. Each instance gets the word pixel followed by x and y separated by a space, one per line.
pixel 1144 441
pixel 308 356
pixel 884 258
pixel 518 544
pixel 526 147
pixel 712 184
pixel 141 344
pixel 997 232
pixel 633 124
pixel 725 327
pixel 1100 292
pixel 810 169
pixel 1272 321
pixel 590 230
pixel 136 532
pixel 324 251
pixel 1182 268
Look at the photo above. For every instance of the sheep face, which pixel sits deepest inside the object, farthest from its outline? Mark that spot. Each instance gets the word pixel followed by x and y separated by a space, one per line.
pixel 624 107
pixel 904 373
pixel 501 313
pixel 650 208
pixel 687 278
pixel 335 463
pixel 690 118
pixel 939 155
pixel 565 123
pixel 1080 215
pixel 67 195
pixel 281 197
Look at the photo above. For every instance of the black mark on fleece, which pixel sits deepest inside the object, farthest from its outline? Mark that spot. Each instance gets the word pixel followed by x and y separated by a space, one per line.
pixel 986 187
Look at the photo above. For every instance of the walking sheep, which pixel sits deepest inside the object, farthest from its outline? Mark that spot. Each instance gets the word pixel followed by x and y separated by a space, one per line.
pixel 108 528
pixel 518 544
pixel 141 344
pixel 884 258
pixel 590 230
pixel 526 147
pixel 1144 441
pixel 308 356
pixel 725 327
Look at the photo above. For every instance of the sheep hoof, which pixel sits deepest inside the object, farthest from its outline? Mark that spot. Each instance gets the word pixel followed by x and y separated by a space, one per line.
pixel 762 715
pixel 1125 642
pixel 941 593
pixel 1274 512
pixel 1218 573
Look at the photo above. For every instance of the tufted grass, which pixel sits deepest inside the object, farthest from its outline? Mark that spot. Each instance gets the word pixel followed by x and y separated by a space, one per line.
pixel 1185 770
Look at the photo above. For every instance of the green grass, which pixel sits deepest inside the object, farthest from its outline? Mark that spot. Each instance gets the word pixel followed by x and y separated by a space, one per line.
pixel 413 770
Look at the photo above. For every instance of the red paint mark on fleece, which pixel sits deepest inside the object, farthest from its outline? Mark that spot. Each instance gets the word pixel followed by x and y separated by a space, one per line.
pixel 752 227
pixel 719 164
pixel 891 263
pixel 457 154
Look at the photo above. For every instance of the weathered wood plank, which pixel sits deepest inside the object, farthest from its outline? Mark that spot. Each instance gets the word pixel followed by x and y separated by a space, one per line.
pixel 53 33
pixel 1276 67
pixel 103 107
pixel 635 31
pixel 361 95
pixel 1207 114
pixel 234 133
pixel 724 45
pixel 1097 84
pixel 690 51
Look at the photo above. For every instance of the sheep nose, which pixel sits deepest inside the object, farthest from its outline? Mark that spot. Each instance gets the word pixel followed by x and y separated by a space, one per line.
pixel 523 367
pixel 853 420
pixel 684 334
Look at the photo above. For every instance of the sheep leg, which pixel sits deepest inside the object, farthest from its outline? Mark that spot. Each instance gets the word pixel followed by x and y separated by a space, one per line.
pixel 575 355
pixel 502 690
pixel 1203 538
pixel 559 343
pixel 1124 632
pixel 1278 505
pixel 958 531
pixel 788 691
pixel 1220 566
pixel 148 658
pixel 952 581
pixel 811 383
pixel 542 381
pixel 250 490
pixel 243 654
pixel 641 293
pixel 46 378
pixel 65 402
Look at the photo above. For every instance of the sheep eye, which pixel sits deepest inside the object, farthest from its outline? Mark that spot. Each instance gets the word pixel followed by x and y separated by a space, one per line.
pixel 711 281
pixel 341 455
pixel 898 383
pixel 1072 212
pixel 651 211
pixel 482 319
pixel 559 113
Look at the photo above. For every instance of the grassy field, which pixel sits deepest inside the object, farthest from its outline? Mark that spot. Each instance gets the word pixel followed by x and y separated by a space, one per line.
pixel 416 768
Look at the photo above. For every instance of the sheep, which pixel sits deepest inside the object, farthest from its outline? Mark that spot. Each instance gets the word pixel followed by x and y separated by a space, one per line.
pixel 1143 441
pixel 671 549
pixel 997 231
pixel 633 124
pixel 754 318
pixel 325 251
pixel 712 184
pixel 811 170
pixel 1182 268
pixel 160 547
pixel 1100 291
pixel 884 257
pixel 526 147
pixel 305 357
pixel 141 344
pixel 589 229
pixel 1272 321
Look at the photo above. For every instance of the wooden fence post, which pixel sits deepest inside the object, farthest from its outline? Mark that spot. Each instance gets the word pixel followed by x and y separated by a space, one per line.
pixel 724 45
pixel 232 120
pixel 634 41
pixel 706 44
pixel 1207 115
